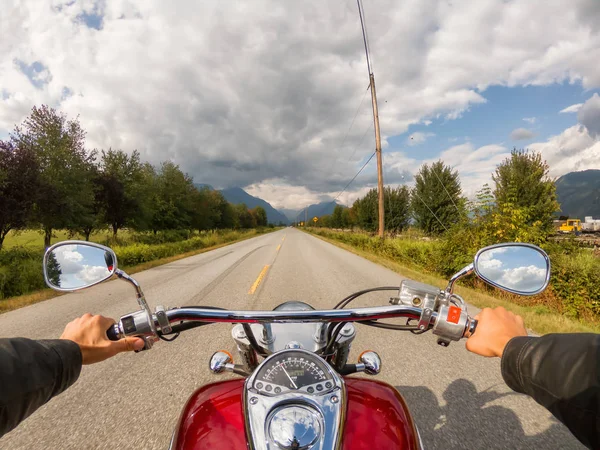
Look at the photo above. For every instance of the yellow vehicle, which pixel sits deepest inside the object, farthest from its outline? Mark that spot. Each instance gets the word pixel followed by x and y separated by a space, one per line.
pixel 570 226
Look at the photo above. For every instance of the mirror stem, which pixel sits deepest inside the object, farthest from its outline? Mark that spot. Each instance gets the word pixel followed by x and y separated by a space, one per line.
pixel 461 273
pixel 140 298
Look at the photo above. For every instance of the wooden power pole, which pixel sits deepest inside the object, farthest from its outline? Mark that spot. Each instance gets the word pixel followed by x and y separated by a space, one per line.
pixel 376 122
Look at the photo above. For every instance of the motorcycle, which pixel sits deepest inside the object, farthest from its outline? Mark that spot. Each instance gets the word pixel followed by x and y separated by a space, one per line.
pixel 296 391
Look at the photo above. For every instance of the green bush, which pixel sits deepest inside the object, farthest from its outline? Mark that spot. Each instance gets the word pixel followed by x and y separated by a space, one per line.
pixel 20 271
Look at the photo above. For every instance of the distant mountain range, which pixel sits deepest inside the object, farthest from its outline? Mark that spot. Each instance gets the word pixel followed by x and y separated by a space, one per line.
pixel 316 210
pixel 237 195
pixel 579 194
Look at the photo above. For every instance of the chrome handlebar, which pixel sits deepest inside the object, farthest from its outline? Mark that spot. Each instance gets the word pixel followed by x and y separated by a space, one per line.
pixel 449 324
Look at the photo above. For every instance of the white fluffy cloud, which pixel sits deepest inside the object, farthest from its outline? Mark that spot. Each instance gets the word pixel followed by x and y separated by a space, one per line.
pixel 589 115
pixel 239 93
pixel 521 134
pixel 572 109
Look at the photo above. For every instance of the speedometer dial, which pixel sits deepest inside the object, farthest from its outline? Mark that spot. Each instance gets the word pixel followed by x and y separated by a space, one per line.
pixel 293 371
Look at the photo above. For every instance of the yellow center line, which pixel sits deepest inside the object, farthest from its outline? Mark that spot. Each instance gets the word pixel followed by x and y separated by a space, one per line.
pixel 258 280
pixel 278 248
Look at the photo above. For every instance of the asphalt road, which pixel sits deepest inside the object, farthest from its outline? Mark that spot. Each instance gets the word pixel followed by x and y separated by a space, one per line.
pixel 133 401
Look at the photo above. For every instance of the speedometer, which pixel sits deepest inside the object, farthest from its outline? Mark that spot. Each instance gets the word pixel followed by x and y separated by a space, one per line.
pixel 292 371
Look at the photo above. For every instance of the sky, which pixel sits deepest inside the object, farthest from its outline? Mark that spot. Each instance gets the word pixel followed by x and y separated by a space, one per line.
pixel 80 265
pixel 518 268
pixel 272 96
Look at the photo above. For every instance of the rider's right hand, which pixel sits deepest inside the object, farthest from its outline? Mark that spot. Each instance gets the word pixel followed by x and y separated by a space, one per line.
pixel 494 329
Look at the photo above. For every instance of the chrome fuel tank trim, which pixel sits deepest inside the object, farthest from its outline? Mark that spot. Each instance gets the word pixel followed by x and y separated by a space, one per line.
pixel 320 415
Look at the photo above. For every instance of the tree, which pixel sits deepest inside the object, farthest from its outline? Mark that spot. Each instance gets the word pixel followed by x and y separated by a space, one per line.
pixel 206 212
pixel 397 208
pixel 19 183
pixel 367 213
pixel 121 184
pixel 172 199
pixel 65 192
pixel 347 218
pixel 523 182
pixel 246 220
pixel 337 220
pixel 260 216
pixel 436 200
pixel 53 270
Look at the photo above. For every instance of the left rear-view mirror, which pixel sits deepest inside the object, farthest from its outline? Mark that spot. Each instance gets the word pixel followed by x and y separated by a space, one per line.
pixel 73 265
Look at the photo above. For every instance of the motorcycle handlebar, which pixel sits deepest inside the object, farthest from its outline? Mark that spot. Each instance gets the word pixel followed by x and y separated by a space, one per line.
pixel 190 317
pixel 331 315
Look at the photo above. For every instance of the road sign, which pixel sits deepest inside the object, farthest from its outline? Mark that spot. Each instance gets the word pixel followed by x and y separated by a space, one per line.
pixel 315 219
pixel 301 224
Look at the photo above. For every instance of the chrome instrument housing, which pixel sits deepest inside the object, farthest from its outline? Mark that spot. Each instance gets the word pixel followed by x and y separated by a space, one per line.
pixel 319 415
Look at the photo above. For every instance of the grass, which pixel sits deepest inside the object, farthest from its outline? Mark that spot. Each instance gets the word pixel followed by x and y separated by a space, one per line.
pixel 12 303
pixel 35 239
pixel 537 318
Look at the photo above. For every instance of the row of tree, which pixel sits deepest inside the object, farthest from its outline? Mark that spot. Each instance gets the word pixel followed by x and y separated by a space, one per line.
pixel 49 181
pixel 523 197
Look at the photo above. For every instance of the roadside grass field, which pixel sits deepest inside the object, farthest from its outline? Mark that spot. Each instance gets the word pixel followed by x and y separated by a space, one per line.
pixel 35 239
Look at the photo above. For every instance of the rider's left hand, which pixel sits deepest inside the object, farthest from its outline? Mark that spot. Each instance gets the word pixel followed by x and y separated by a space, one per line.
pixel 89 332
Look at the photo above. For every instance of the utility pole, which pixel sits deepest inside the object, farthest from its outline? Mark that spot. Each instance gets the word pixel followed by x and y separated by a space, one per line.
pixel 376 122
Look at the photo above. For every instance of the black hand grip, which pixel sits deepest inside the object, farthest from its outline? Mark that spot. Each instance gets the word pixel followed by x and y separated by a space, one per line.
pixel 113 332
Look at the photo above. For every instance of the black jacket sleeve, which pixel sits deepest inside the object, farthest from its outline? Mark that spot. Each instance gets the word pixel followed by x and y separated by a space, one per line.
pixel 31 373
pixel 560 372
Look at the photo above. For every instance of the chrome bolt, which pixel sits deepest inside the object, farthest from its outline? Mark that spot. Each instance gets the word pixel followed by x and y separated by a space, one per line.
pixel 253 400
pixel 334 399
pixel 348 330
pixel 421 327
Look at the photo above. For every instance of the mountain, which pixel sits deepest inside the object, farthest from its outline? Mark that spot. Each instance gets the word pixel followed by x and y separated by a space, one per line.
pixel 237 195
pixel 579 194
pixel 316 210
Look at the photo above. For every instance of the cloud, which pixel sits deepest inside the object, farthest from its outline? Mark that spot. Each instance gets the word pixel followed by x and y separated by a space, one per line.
pixel 521 134
pixel 418 138
pixel 530 120
pixel 572 109
pixel 238 94
pixel 572 150
pixel 69 259
pixel 92 274
pixel 589 115
pixel 526 278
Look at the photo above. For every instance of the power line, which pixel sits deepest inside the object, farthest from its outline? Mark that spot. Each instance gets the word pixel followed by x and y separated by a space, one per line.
pixel 349 183
pixel 361 13
pixel 441 223
pixel 449 196
pixel 350 127
pixel 354 178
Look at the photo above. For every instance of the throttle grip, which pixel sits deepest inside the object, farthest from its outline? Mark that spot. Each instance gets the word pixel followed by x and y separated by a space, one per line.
pixel 471 327
pixel 113 332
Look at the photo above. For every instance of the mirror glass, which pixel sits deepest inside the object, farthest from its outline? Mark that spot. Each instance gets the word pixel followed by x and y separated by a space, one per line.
pixel 516 268
pixel 77 266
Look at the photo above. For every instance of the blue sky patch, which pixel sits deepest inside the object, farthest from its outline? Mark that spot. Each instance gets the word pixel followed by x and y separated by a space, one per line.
pixel 36 72
pixel 535 108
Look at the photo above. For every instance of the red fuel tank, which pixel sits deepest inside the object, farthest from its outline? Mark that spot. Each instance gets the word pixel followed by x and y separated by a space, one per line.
pixel 376 418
